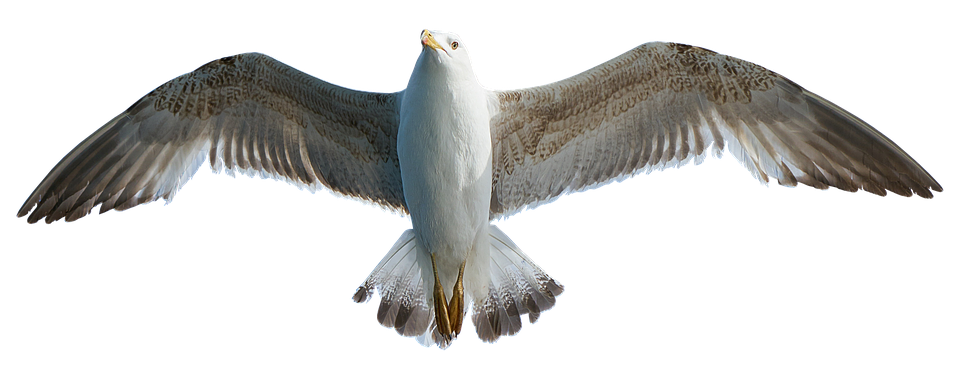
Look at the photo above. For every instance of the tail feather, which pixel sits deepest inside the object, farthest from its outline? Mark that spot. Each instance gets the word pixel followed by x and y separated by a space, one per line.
pixel 517 287
pixel 403 303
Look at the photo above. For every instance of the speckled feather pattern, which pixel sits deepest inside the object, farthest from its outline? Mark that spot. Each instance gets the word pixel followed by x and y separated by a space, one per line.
pixel 247 112
pixel 663 104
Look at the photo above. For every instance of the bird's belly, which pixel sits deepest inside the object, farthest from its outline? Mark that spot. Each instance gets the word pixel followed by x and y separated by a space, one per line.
pixel 445 167
pixel 447 191
pixel 447 218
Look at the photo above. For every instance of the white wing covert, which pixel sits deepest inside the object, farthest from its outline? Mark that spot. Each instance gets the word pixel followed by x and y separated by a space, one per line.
pixel 247 112
pixel 662 104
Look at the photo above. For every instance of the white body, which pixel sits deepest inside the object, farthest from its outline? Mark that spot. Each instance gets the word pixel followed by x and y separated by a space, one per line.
pixel 444 150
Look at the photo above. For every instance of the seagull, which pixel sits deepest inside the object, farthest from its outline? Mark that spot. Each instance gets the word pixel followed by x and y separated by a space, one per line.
pixel 455 156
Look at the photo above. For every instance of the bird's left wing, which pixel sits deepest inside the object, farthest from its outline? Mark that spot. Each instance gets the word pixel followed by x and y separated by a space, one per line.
pixel 247 112
pixel 663 104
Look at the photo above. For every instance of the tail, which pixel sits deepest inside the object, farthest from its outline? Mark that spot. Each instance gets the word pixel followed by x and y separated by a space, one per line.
pixel 516 287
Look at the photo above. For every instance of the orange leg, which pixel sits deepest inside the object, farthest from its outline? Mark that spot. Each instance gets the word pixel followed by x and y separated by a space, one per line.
pixel 449 316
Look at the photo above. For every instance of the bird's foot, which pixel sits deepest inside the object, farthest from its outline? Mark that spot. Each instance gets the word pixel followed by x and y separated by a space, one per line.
pixel 455 310
pixel 449 317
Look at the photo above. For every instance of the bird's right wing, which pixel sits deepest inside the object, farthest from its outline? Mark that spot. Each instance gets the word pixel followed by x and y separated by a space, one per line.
pixel 662 104
pixel 247 112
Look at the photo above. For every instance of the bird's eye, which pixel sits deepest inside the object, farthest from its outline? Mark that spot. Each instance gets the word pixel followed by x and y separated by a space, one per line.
pixel 454 45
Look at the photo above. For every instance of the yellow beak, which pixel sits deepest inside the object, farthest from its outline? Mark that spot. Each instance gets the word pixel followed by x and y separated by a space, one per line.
pixel 426 38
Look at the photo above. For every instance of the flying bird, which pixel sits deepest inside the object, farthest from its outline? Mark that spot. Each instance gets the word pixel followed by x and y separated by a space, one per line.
pixel 456 156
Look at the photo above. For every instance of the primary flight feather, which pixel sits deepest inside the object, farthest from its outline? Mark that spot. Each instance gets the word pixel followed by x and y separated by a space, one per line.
pixel 455 156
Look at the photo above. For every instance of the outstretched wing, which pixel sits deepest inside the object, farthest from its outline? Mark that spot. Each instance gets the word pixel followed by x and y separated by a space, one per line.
pixel 247 112
pixel 662 104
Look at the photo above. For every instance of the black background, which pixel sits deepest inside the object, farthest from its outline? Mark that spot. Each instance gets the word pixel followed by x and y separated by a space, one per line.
pixel 696 265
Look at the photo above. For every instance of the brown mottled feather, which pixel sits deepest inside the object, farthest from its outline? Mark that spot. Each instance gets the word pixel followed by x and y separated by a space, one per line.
pixel 247 112
pixel 662 104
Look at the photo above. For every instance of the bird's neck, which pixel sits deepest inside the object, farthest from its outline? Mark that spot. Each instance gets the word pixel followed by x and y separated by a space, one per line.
pixel 434 69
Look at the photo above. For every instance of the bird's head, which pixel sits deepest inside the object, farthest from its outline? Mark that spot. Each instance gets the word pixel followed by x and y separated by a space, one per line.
pixel 446 50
